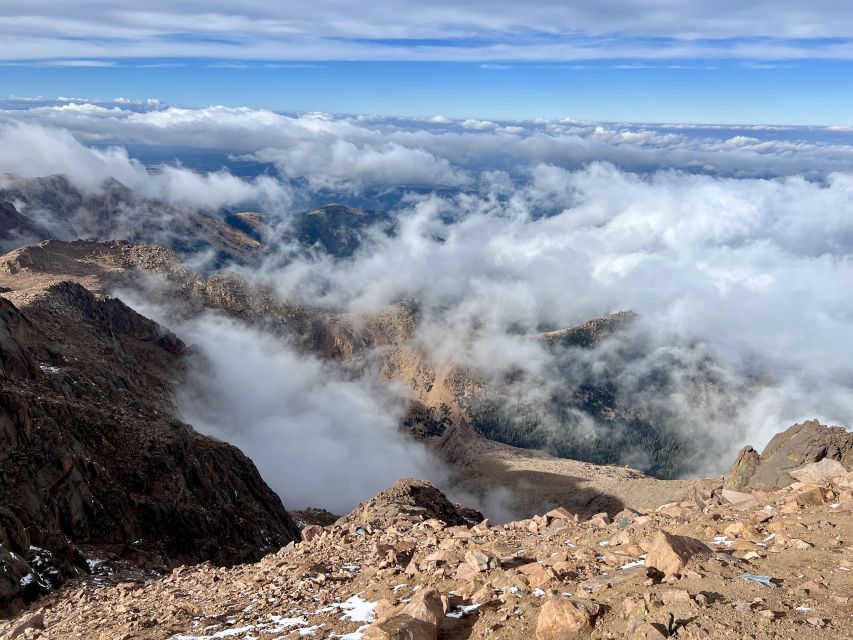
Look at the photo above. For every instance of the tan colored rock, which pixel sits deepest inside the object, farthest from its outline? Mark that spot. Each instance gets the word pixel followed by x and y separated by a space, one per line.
pixel 32 622
pixel 563 619
pixel 634 607
pixel 743 469
pixel 560 513
pixel 418 620
pixel 311 532
pixel 640 630
pixel 818 472
pixel 479 560
pixel 599 520
pixel 742 530
pixel 670 553
pixel 675 596
pixel 673 510
pixel 738 500
pixel 810 495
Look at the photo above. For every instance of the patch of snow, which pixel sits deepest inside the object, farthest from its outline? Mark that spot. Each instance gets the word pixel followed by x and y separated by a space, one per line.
pixel 604 543
pixel 722 541
pixel 225 633
pixel 49 369
pixel 639 562
pixel 280 623
pixel 835 505
pixel 463 610
pixel 27 579
pixel 400 586
pixel 358 634
pixel 94 563
pixel 538 593
pixel 802 608
pixel 356 609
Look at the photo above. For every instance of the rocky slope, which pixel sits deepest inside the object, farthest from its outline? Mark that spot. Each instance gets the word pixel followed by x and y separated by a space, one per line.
pixel 717 564
pixel 91 453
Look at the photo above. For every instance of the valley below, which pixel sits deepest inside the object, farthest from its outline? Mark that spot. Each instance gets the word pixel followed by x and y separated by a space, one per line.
pixel 154 486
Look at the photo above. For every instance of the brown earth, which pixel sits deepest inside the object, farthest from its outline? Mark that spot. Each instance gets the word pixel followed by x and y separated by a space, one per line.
pixel 382 571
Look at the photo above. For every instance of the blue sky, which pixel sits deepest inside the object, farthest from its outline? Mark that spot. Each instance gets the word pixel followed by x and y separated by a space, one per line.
pixel 805 92
pixel 784 61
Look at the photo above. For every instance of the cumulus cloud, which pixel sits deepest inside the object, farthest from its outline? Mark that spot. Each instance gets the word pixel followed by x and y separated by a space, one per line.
pixel 31 150
pixel 733 244
pixel 753 269
pixel 358 152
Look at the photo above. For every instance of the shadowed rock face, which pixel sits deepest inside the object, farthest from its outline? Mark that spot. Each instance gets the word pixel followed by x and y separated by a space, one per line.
pixel 90 452
pixel 799 445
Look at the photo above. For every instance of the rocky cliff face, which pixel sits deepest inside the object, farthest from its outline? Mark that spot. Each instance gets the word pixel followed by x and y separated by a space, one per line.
pixel 799 445
pixel 90 453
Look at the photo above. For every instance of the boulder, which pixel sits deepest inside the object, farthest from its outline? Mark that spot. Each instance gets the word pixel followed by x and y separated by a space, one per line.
pixel 819 472
pixel 311 532
pixel 640 630
pixel 743 469
pixel 670 553
pixel 563 619
pixel 480 561
pixel 740 501
pixel 418 620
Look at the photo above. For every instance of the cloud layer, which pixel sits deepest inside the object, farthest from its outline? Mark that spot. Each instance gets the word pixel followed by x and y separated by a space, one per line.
pixel 390 30
pixel 735 246
pixel 352 153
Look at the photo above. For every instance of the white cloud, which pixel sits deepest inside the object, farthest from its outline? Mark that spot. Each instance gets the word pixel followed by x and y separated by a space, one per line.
pixel 471 123
pixel 31 151
pixel 326 149
pixel 753 269
pixel 718 259
pixel 388 29
pixel 318 436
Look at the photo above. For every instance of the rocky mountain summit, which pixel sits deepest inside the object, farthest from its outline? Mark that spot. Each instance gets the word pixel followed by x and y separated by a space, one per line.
pixel 91 452
pixel 716 564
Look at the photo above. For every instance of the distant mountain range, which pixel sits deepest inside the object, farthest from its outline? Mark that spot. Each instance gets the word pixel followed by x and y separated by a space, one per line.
pixel 47 208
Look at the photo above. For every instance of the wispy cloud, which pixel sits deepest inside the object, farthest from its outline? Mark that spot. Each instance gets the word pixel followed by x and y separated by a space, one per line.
pixel 501 31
